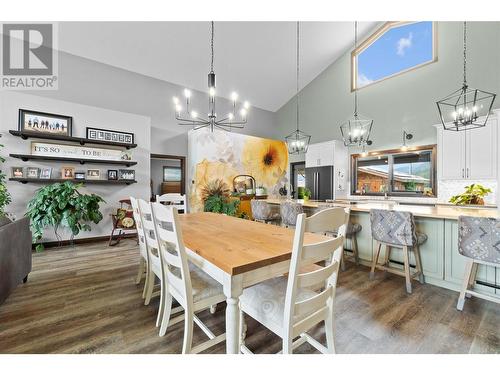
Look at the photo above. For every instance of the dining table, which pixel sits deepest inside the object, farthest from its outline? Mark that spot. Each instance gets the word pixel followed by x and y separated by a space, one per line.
pixel 238 253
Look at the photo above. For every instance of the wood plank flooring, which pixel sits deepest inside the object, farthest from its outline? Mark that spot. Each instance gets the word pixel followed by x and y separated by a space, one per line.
pixel 84 300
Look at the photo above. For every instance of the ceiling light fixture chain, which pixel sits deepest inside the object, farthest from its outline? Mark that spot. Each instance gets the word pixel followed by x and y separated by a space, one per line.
pixel 357 129
pixel 191 118
pixel 298 141
pixel 465 108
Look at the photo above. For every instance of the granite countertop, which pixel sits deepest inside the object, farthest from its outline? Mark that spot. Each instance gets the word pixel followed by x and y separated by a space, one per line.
pixel 437 212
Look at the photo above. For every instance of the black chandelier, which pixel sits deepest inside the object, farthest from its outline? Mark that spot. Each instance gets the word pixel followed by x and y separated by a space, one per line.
pixel 465 108
pixel 191 117
pixel 298 141
pixel 356 130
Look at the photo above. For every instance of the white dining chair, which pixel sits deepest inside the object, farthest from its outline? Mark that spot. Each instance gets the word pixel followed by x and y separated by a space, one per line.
pixel 191 287
pixel 289 306
pixel 155 266
pixel 143 261
pixel 173 199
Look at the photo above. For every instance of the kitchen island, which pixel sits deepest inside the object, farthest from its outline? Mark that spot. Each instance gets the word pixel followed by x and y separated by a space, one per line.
pixel 443 265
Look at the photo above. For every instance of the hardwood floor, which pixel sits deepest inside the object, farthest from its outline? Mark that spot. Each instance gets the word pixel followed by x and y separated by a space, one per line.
pixel 84 300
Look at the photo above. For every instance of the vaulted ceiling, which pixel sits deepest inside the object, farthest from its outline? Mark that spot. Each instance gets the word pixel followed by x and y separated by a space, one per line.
pixel 256 59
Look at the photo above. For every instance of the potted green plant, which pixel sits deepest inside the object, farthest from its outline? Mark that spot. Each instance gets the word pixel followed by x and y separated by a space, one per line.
pixel 307 194
pixel 62 205
pixel 216 198
pixel 261 190
pixel 473 194
pixel 5 197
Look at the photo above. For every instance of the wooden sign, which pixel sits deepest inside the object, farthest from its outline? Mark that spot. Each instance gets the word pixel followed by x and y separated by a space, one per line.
pixel 81 152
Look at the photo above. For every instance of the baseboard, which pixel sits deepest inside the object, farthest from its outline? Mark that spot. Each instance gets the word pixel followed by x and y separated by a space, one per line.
pixel 80 241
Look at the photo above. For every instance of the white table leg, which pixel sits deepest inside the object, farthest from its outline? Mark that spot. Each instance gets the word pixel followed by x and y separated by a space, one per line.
pixel 232 290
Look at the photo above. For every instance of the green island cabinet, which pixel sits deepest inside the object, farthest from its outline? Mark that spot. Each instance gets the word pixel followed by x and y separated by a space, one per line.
pixel 443 265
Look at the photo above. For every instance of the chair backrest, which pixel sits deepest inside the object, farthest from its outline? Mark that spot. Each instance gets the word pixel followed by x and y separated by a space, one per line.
pixel 149 233
pixel 289 212
pixel 140 227
pixel 393 227
pixel 261 210
pixel 332 220
pixel 300 316
pixel 173 199
pixel 479 238
pixel 173 253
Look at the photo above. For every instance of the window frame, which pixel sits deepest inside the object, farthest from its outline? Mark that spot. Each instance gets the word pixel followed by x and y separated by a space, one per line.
pixel 390 155
pixel 374 37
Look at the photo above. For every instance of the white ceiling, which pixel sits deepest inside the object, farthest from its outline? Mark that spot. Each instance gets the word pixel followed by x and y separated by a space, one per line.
pixel 257 59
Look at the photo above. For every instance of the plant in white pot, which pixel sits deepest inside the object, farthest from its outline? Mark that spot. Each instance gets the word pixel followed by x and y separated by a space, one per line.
pixel 260 190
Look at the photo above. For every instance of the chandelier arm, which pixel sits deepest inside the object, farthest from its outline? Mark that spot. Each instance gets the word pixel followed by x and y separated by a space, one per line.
pixel 225 121
pixel 193 122
pixel 230 125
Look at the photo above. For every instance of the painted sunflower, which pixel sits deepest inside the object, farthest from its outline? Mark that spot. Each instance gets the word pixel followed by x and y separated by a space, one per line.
pixel 265 159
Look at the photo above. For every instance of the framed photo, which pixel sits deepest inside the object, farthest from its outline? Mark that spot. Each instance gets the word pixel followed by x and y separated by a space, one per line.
pixel 67 173
pixel 17 172
pixel 79 175
pixel 45 123
pixel 126 174
pixel 110 135
pixel 93 174
pixel 172 174
pixel 45 173
pixel 112 174
pixel 32 172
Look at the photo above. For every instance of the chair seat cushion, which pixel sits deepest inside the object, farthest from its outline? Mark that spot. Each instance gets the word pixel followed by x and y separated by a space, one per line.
pixel 203 285
pixel 265 302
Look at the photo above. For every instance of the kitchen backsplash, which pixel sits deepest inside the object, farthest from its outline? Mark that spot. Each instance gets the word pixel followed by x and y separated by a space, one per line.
pixel 449 188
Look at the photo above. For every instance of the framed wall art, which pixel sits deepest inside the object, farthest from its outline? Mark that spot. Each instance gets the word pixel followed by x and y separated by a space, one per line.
pixel 45 123
pixel 110 135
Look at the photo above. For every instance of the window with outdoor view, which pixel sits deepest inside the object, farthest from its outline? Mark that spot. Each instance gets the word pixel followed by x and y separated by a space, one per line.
pixel 394 172
pixel 395 48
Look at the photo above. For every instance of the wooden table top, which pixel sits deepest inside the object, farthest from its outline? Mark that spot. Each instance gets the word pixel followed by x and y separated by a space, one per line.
pixel 237 245
pixel 437 212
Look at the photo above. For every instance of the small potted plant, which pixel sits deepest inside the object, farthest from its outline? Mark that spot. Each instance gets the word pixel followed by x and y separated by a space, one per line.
pixel 307 194
pixel 261 190
pixel 473 194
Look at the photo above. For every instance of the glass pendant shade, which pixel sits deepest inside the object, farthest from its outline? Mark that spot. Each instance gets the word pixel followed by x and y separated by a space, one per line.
pixel 297 142
pixel 465 109
pixel 356 130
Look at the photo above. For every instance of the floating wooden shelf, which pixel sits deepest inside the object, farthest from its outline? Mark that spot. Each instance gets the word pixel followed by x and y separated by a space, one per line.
pixel 25 157
pixel 23 180
pixel 81 141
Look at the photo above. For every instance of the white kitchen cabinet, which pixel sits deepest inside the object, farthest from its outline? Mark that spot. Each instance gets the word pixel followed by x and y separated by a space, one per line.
pixel 467 155
pixel 320 154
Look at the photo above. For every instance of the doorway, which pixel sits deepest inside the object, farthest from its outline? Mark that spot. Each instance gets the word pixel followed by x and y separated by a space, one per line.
pixel 298 177
pixel 168 175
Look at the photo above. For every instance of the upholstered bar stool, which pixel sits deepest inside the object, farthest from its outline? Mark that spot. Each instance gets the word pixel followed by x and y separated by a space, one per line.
pixel 289 212
pixel 351 234
pixel 397 229
pixel 478 241
pixel 262 212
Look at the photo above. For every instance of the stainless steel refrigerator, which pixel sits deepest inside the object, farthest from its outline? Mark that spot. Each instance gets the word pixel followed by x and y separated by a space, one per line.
pixel 320 181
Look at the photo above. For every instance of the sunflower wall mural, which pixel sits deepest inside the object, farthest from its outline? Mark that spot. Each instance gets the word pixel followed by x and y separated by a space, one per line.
pixel 216 158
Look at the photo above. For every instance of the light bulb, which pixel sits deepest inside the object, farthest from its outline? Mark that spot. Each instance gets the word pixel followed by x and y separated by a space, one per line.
pixel 230 116
pixel 454 115
pixel 234 96
pixel 404 148
pixel 246 105
pixel 176 100
pixel 212 91
pixel 194 114
pixel 243 112
pixel 178 108
pixel 187 93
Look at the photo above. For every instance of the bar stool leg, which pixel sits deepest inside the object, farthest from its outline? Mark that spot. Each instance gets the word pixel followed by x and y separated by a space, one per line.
pixel 467 276
pixel 387 255
pixel 406 257
pixel 418 261
pixel 472 279
pixel 375 260
pixel 354 242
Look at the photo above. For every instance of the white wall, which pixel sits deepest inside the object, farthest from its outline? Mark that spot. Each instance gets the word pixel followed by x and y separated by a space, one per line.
pixel 83 116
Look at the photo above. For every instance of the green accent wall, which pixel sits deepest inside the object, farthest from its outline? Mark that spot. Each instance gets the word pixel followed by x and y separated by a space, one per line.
pixel 405 102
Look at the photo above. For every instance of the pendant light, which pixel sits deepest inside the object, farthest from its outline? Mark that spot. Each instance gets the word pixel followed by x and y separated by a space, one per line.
pixel 465 108
pixel 298 141
pixel 233 119
pixel 356 130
